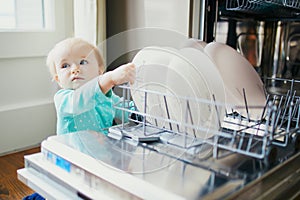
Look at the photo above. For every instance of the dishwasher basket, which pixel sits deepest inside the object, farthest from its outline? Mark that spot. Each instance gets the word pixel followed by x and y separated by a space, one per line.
pixel 278 126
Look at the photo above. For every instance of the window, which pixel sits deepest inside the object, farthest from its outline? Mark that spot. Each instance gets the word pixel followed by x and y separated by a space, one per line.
pixel 26 15
pixel 26 32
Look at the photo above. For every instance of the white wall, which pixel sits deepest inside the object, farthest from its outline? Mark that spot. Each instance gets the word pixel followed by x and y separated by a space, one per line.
pixel 167 14
pixel 27 113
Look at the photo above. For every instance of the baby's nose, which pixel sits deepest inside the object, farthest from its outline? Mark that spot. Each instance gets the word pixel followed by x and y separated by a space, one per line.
pixel 75 69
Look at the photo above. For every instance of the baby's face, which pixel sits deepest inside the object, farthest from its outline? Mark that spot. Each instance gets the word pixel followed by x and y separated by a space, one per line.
pixel 75 65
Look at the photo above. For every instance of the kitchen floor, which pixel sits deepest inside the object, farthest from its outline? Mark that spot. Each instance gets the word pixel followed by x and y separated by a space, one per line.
pixel 10 187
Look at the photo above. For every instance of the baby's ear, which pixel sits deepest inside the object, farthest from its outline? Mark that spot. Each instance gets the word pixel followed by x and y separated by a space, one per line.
pixel 55 78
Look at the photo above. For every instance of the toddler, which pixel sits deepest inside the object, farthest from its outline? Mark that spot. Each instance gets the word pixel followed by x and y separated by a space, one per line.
pixel 85 100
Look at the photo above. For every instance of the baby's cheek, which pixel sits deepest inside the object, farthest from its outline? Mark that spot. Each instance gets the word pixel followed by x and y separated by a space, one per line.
pixel 65 73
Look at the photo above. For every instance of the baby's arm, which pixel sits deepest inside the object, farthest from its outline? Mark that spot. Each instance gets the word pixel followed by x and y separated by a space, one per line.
pixel 122 74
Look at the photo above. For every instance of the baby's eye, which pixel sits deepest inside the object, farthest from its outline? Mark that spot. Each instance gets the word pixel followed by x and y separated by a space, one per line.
pixel 83 62
pixel 65 65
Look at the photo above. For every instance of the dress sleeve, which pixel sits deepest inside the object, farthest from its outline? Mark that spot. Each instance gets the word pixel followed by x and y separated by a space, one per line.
pixel 74 102
pixel 90 99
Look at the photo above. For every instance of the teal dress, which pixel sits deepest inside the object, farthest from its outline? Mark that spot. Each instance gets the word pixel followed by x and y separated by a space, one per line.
pixel 87 108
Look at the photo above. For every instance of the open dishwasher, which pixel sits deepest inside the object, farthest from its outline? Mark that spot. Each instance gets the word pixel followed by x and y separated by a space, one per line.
pixel 168 155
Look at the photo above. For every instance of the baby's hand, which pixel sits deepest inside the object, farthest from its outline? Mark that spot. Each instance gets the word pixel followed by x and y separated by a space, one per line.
pixel 123 74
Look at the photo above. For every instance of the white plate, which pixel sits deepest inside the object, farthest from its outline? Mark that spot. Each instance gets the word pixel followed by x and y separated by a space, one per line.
pixel 194 43
pixel 206 67
pixel 166 71
pixel 200 100
pixel 238 74
pixel 206 80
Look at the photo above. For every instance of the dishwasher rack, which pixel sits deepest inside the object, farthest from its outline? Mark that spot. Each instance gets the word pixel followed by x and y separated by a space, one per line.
pixel 263 9
pixel 278 126
pixel 260 5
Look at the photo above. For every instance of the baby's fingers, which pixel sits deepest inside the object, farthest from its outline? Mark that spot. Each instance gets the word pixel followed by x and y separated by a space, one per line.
pixel 131 72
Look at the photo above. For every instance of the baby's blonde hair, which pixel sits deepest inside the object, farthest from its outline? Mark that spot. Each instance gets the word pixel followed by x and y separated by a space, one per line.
pixel 66 44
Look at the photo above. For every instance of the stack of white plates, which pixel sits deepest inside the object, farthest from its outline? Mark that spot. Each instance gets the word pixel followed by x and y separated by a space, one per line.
pixel 195 85
pixel 184 84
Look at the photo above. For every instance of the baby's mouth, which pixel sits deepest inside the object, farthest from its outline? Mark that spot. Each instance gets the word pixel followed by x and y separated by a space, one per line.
pixel 77 78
